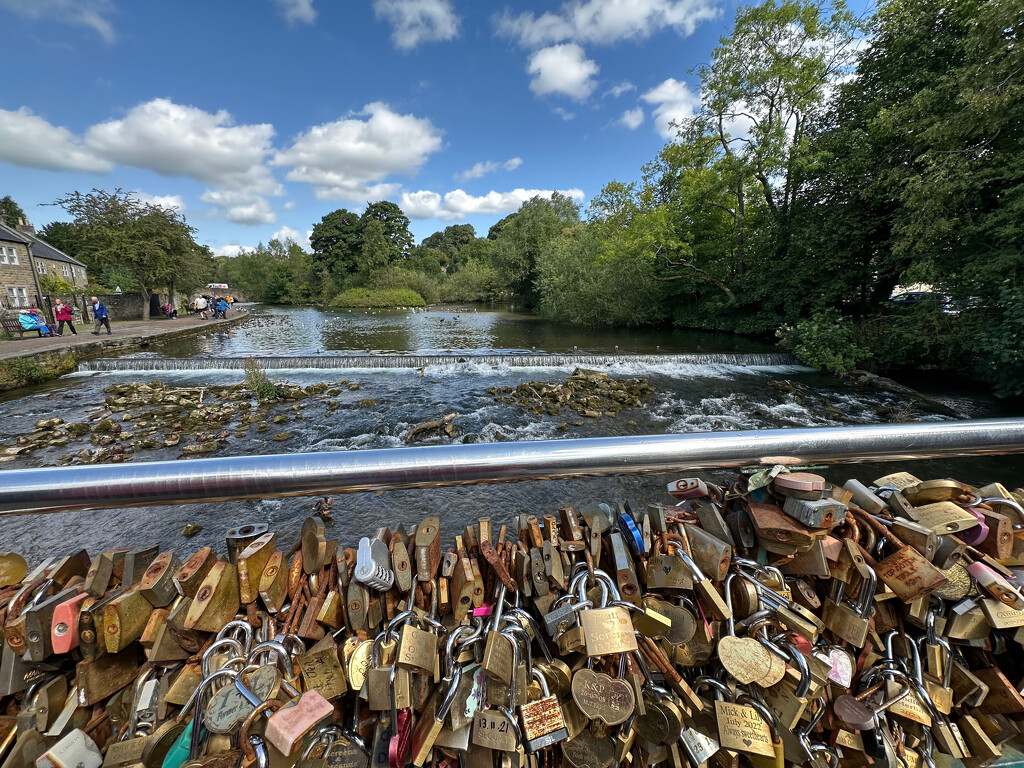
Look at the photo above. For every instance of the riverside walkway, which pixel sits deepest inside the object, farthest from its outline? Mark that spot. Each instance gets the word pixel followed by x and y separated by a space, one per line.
pixel 126 334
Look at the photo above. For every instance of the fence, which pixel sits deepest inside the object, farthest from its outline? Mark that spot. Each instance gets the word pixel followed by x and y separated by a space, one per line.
pixel 306 474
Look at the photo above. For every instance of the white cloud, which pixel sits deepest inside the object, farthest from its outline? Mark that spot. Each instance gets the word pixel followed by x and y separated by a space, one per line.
pixel 458 204
pixel 350 158
pixel 177 140
pixel 30 141
pixel 606 21
pixel 563 69
pixel 564 113
pixel 297 11
pixel 673 101
pixel 632 118
pixel 490 166
pixel 619 89
pixel 231 250
pixel 170 202
pixel 286 233
pixel 418 21
pixel 84 13
pixel 289 206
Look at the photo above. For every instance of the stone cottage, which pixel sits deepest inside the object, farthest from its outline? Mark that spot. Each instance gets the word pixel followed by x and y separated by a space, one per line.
pixel 24 258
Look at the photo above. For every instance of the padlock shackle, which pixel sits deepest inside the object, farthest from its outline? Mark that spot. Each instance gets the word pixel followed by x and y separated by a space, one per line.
pixel 107 486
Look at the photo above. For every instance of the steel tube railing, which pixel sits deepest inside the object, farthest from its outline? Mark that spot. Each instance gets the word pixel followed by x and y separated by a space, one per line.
pixel 304 474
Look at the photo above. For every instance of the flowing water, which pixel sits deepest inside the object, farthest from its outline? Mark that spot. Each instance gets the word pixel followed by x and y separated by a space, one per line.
pixel 413 366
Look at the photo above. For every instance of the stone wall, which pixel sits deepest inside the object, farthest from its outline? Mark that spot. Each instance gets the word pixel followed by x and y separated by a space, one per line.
pixel 121 306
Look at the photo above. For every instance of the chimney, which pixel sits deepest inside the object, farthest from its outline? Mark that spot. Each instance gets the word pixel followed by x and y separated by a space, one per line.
pixel 24 225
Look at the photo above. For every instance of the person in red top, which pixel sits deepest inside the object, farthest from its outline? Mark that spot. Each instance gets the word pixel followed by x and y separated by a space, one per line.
pixel 64 313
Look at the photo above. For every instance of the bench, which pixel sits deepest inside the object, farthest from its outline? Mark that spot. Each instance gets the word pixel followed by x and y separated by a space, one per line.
pixel 11 326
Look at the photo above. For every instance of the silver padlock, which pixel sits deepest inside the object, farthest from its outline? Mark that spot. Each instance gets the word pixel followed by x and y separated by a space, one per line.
pixel 76 750
pixel 373 564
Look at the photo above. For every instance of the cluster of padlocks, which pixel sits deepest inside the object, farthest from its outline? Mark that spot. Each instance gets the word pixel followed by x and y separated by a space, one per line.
pixel 780 620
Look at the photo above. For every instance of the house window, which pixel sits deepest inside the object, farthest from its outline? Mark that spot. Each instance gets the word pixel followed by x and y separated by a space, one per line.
pixel 65 270
pixel 18 297
pixel 40 268
pixel 83 273
pixel 3 255
pixel 12 256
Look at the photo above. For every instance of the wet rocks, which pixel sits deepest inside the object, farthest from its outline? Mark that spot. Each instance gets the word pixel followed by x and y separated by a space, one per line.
pixel 369 402
pixel 442 425
pixel 592 394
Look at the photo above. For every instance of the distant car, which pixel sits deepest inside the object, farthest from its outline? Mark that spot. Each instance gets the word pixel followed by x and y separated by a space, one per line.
pixel 917 298
pixel 217 286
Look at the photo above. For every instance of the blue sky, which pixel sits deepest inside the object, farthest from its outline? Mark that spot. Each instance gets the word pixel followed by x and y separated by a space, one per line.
pixel 259 117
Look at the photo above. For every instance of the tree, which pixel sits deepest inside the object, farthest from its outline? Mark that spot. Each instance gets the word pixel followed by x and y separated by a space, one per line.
pixel 450 242
pixel 394 224
pixel 522 238
pixel 154 244
pixel 10 211
pixel 337 242
pixel 378 250
pixel 62 235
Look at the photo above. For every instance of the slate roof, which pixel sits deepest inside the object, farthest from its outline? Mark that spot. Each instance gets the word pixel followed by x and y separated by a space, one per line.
pixel 43 250
pixel 12 235
pixel 40 248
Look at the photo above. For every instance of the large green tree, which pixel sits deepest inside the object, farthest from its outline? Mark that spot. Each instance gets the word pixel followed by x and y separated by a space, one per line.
pixel 337 241
pixel 394 224
pixel 154 245
pixel 520 241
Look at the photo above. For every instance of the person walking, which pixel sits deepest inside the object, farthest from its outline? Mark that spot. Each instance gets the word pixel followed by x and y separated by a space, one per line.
pixel 201 305
pixel 32 322
pixel 64 313
pixel 99 312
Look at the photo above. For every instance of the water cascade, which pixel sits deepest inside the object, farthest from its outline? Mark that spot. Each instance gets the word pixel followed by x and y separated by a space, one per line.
pixel 357 362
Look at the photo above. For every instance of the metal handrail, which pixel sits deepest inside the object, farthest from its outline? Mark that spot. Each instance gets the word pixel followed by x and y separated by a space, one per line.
pixel 306 474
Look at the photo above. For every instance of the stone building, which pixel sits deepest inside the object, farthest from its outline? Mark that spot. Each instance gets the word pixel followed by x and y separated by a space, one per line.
pixel 24 258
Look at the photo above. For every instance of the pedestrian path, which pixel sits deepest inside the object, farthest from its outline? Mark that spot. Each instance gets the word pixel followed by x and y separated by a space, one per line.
pixel 128 333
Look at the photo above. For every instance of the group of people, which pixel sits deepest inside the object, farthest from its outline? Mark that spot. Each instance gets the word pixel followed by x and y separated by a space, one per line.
pixel 218 305
pixel 32 319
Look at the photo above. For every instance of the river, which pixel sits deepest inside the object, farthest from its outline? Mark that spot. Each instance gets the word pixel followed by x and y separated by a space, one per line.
pixel 702 382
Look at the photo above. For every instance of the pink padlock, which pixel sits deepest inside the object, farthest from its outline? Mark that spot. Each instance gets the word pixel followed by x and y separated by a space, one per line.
pixel 972 537
pixel 289 725
pixel 483 611
pixel 997 586
pixel 64 627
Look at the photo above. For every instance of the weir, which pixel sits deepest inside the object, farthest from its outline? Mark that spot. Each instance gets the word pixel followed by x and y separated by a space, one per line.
pixel 512 360
pixel 306 474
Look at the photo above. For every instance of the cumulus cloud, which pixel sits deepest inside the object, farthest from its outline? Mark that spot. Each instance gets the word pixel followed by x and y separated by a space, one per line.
pixel 286 233
pixel 632 118
pixel 297 11
pixel 418 21
pixel 563 69
pixel 564 113
pixel 606 21
pixel 83 13
pixel 620 89
pixel 231 250
pixel 178 140
pixel 170 202
pixel 673 101
pixel 490 166
pixel 30 141
pixel 350 158
pixel 458 204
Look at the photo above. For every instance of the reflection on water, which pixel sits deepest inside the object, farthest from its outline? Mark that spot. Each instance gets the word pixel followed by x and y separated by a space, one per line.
pixel 688 398
pixel 308 331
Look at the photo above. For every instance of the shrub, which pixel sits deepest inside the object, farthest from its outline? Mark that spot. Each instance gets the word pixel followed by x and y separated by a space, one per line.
pixel 257 382
pixel 366 298
pixel 825 341
pixel 473 282
pixel 20 372
pixel 395 278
